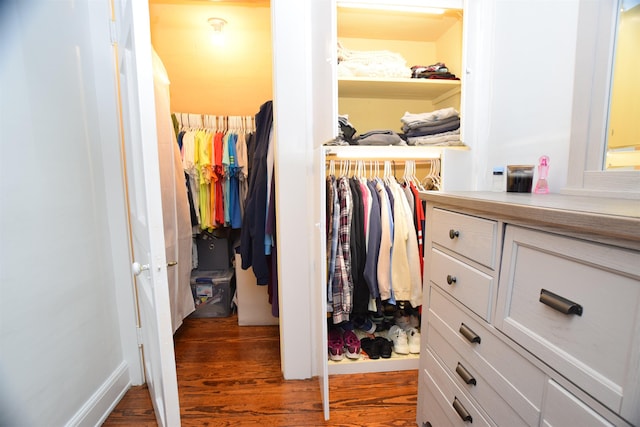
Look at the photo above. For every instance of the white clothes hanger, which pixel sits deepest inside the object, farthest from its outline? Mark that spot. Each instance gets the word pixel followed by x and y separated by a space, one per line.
pixel 332 168
pixel 387 171
pixel 434 173
pixel 407 171
pixel 415 180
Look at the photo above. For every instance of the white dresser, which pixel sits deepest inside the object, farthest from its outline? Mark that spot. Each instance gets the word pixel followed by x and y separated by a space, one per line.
pixel 531 311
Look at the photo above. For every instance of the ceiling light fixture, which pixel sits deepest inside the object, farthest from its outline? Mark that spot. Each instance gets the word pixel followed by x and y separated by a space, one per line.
pixel 218 26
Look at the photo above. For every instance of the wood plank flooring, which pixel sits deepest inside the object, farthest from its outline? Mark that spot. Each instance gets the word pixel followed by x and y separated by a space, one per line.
pixel 229 375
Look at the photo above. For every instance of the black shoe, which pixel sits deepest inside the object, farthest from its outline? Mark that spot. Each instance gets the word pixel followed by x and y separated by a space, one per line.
pixel 371 346
pixel 385 346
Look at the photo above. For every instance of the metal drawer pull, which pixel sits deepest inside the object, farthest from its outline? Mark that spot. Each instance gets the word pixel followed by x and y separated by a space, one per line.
pixel 453 233
pixel 451 279
pixel 469 334
pixel 462 413
pixel 465 375
pixel 559 303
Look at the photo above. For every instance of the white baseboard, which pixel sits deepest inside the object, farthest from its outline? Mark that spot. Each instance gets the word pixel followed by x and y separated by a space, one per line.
pixel 98 407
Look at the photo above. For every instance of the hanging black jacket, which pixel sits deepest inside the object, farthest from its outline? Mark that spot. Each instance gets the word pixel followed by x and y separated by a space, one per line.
pixel 252 245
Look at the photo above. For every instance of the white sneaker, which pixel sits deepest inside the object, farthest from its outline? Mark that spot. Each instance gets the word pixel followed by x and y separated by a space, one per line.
pixel 413 337
pixel 399 338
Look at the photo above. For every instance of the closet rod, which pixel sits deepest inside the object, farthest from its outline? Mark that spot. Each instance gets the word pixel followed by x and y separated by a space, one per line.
pixel 376 152
pixel 421 160
pixel 197 120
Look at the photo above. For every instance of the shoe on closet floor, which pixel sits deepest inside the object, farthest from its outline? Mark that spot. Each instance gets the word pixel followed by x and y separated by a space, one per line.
pixel 371 347
pixel 413 339
pixel 399 338
pixel 386 347
pixel 351 345
pixel 336 345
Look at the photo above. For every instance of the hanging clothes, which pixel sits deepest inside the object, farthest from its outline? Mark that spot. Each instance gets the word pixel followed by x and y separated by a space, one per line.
pixel 374 243
pixel 214 159
pixel 235 218
pixel 243 171
pixel 252 236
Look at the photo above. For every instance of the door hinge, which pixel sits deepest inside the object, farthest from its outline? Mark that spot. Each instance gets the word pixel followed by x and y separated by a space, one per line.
pixel 113 33
pixel 139 336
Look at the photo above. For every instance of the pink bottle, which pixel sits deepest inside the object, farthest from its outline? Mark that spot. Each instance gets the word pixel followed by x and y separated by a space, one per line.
pixel 542 187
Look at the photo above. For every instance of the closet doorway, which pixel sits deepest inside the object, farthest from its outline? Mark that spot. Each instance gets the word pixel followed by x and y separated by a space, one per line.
pixel 218 59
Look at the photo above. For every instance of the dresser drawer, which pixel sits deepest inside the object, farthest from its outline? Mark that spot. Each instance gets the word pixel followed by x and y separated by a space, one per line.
pixel 472 237
pixel 470 375
pixel 430 413
pixel 561 408
pixel 516 380
pixel 596 345
pixel 454 403
pixel 471 287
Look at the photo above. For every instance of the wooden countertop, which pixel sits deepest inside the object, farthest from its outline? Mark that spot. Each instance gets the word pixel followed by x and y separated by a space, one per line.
pixel 604 219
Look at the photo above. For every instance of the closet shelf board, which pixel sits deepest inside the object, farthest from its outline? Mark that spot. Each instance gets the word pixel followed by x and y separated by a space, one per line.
pixel 390 152
pixel 396 88
pixel 395 363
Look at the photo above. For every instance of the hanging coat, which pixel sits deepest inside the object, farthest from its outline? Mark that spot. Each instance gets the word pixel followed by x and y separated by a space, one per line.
pixel 252 237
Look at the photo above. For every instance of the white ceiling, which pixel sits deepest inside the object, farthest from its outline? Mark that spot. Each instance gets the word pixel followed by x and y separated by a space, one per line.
pixel 388 25
pixel 359 23
pixel 246 3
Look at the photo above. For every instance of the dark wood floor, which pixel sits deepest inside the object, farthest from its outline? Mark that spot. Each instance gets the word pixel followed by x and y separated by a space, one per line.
pixel 230 376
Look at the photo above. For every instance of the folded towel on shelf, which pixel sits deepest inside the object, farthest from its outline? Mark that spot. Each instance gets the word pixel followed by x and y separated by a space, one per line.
pixel 375 63
pixel 413 120
pixel 420 126
pixel 433 130
pixel 451 138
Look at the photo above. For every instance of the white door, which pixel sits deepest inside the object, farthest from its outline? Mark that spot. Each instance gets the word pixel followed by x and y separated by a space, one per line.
pixel 325 127
pixel 139 139
pixel 320 279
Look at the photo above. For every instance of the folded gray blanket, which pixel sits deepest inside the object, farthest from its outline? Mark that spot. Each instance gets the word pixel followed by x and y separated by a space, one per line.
pixel 380 137
pixel 432 130
pixel 406 128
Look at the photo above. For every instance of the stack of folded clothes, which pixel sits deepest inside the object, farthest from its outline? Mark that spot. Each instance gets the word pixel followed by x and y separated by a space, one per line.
pixel 347 134
pixel 380 137
pixel 435 71
pixel 439 127
pixel 374 63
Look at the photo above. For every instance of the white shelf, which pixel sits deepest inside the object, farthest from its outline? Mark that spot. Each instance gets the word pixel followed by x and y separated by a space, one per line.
pixel 361 366
pixel 389 152
pixel 397 88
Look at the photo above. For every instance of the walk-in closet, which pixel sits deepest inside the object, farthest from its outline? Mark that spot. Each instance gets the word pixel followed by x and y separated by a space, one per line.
pixel 216 62
pixel 217 57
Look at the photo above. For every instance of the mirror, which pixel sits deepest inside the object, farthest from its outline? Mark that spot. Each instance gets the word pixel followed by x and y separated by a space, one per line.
pixel 623 131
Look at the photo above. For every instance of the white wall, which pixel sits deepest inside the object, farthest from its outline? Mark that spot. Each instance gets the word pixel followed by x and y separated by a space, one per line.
pixel 61 358
pixel 293 166
pixel 531 74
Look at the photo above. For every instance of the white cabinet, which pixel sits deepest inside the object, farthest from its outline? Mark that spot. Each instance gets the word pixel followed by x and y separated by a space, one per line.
pixel 545 331
pixel 564 409
pixel 574 304
pixel 378 102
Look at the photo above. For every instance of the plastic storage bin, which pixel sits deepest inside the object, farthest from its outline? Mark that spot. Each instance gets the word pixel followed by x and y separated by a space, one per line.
pixel 212 293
